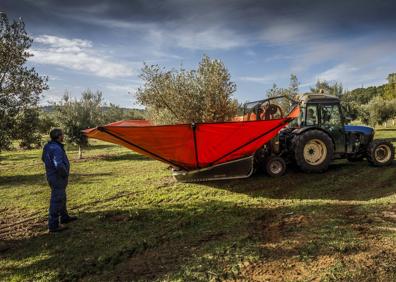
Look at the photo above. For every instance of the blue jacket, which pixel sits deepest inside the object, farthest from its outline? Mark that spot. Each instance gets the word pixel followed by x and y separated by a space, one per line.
pixel 55 160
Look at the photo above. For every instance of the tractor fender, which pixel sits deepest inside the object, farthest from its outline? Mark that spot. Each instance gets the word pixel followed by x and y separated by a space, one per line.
pixel 301 130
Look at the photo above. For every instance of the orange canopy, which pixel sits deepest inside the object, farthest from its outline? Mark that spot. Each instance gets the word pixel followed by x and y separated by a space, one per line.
pixel 192 146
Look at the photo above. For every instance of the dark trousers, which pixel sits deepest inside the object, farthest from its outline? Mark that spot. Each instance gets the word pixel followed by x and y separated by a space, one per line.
pixel 57 208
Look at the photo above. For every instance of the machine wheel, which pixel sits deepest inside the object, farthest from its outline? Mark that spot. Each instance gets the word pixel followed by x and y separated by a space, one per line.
pixel 313 151
pixel 380 153
pixel 275 166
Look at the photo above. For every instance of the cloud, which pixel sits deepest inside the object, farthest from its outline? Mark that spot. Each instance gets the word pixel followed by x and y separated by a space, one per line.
pixel 287 32
pixel 208 39
pixel 266 79
pixel 185 35
pixel 352 61
pixel 338 73
pixel 60 42
pixel 352 77
pixel 129 88
pixel 77 54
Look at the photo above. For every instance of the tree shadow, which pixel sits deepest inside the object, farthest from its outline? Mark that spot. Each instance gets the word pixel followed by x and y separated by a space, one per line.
pixel 386 129
pixel 26 179
pixel 153 243
pixel 126 157
pixel 22 157
pixel 90 147
pixel 9 181
pixel 343 181
pixel 99 146
pixel 114 158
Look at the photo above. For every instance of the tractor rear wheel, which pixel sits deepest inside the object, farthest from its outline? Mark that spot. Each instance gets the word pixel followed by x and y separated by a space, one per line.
pixel 313 151
pixel 380 153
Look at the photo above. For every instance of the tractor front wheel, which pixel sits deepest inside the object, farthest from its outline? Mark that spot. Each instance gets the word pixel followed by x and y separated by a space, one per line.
pixel 380 153
pixel 313 150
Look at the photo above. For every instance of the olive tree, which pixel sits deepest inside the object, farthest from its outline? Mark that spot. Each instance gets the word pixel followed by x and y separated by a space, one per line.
pixel 184 96
pixel 290 92
pixel 380 110
pixel 76 115
pixel 335 88
pixel 20 86
pixel 28 128
pixel 112 113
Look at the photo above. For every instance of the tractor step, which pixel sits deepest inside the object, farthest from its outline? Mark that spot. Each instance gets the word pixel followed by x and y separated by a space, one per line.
pixel 240 168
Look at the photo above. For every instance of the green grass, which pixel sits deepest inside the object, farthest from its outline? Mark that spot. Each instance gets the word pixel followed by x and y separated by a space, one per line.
pixel 137 223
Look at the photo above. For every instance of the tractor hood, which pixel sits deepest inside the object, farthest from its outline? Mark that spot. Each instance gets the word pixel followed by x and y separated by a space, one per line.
pixel 365 130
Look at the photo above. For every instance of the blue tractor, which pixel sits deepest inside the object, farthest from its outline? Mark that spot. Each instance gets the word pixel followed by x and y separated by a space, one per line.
pixel 319 135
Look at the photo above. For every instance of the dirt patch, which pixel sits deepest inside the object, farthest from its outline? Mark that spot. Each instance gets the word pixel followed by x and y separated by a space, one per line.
pixel 157 261
pixel 19 224
pixel 153 263
pixel 281 240
pixel 272 228
pixel 287 270
pixel 389 216
pixel 292 247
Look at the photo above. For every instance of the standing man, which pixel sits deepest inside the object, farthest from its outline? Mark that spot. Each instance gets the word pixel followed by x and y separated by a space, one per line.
pixel 57 169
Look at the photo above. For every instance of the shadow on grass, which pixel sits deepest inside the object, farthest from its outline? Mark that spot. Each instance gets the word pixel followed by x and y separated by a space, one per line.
pixel 386 129
pixel 126 157
pixel 343 181
pixel 114 158
pixel 73 148
pixel 26 179
pixel 39 178
pixel 21 157
pixel 99 146
pixel 154 243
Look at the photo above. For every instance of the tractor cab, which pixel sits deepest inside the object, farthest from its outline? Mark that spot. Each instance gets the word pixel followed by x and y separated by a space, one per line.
pixel 323 112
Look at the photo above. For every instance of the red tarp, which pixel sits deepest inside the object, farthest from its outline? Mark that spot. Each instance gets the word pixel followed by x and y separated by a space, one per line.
pixel 192 146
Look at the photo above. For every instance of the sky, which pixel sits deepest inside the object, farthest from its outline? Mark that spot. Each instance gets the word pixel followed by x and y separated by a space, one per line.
pixel 102 44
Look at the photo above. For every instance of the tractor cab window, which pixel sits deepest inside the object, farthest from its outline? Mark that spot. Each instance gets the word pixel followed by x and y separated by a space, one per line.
pixel 299 121
pixel 312 115
pixel 330 115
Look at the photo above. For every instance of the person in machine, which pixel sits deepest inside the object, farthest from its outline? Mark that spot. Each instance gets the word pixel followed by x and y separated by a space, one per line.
pixel 57 169
pixel 311 117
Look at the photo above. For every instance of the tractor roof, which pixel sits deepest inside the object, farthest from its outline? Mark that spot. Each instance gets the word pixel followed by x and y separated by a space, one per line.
pixel 318 98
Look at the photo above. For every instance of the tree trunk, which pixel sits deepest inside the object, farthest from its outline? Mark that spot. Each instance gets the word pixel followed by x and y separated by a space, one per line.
pixel 80 156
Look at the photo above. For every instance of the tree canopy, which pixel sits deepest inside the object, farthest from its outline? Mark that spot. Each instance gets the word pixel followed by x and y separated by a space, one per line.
pixel 75 115
pixel 184 96
pixel 373 105
pixel 20 86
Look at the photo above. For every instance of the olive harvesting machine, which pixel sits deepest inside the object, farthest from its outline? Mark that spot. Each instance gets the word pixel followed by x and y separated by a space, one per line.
pixel 310 131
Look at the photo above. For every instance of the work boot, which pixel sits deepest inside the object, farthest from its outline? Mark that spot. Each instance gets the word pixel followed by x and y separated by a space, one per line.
pixel 57 230
pixel 68 219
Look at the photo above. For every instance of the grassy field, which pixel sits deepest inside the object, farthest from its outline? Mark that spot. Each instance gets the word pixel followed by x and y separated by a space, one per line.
pixel 137 223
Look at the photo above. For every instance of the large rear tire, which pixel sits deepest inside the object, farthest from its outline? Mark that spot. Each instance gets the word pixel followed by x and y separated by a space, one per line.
pixel 313 151
pixel 380 153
